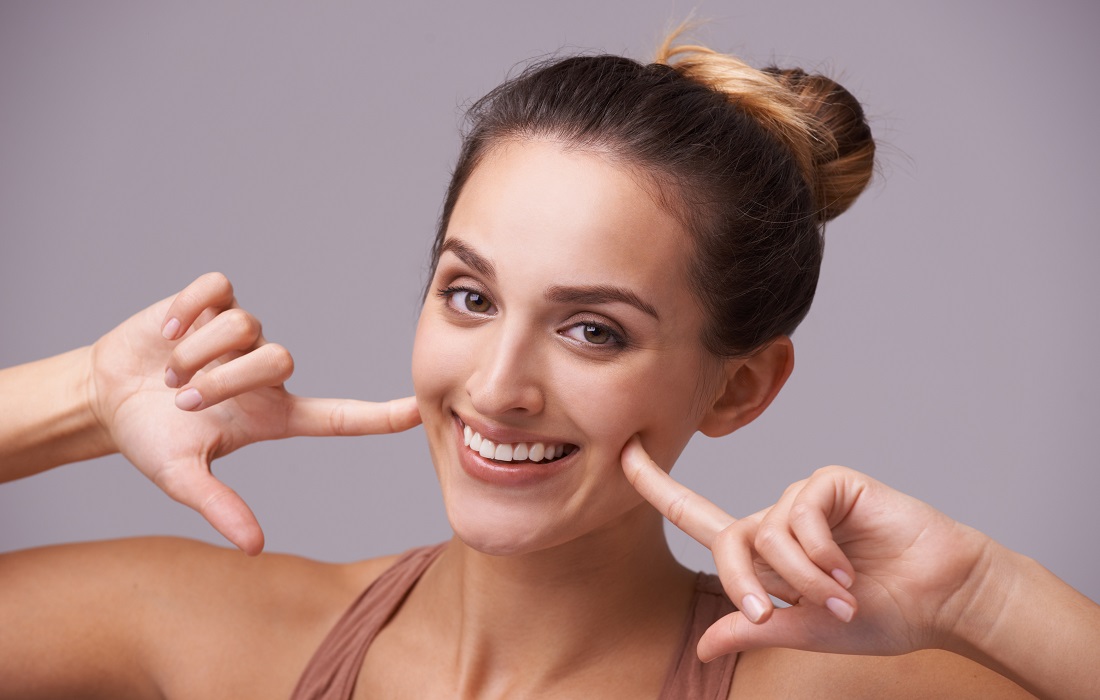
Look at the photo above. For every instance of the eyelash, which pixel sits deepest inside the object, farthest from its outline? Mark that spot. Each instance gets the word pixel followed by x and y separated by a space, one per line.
pixel 448 293
pixel 618 340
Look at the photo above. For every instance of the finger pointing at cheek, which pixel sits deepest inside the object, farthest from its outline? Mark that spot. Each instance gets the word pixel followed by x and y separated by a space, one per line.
pixel 728 539
pixel 683 507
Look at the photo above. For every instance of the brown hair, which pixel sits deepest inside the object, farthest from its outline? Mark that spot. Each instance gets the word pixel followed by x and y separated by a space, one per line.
pixel 753 162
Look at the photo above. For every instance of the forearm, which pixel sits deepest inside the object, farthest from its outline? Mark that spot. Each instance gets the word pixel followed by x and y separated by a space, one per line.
pixel 45 415
pixel 1033 628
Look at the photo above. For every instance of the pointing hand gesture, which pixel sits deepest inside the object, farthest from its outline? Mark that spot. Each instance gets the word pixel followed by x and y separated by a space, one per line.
pixel 866 569
pixel 192 378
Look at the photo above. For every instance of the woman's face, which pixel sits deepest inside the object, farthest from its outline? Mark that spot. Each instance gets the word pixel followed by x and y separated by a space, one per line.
pixel 558 320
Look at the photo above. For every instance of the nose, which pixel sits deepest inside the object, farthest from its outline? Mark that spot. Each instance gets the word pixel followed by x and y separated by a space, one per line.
pixel 506 377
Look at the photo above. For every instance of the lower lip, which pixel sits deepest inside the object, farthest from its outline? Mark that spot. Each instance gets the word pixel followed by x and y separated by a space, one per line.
pixel 512 474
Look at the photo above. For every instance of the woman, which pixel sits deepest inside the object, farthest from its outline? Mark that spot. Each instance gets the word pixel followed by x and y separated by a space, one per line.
pixel 623 254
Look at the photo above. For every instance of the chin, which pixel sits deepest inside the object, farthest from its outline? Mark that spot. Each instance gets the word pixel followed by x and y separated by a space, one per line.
pixel 500 529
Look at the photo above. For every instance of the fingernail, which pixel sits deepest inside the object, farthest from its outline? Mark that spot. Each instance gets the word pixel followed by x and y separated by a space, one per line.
pixel 842 610
pixel 841 576
pixel 753 607
pixel 188 400
pixel 170 379
pixel 171 328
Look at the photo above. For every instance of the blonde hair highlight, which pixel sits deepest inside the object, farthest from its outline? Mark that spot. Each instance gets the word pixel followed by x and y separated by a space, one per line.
pixel 812 115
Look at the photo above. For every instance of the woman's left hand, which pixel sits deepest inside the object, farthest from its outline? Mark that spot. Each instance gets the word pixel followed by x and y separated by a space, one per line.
pixel 867 569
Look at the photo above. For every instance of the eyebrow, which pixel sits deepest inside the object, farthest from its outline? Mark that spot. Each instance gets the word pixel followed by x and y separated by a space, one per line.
pixel 559 294
pixel 469 256
pixel 599 294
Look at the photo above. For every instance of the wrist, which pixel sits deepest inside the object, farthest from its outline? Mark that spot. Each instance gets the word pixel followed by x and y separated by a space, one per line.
pixel 1029 626
pixel 46 418
pixel 977 609
pixel 95 428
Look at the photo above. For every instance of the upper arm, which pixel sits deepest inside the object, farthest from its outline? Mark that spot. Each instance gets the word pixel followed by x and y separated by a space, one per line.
pixel 163 617
pixel 931 675
pixel 72 622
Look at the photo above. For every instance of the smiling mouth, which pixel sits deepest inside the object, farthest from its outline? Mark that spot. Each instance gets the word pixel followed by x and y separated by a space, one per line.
pixel 533 452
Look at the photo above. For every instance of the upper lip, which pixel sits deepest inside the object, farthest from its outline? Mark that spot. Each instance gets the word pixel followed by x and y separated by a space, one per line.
pixel 498 435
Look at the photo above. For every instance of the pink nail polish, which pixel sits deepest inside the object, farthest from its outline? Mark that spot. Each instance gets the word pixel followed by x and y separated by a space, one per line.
pixel 753 607
pixel 842 610
pixel 171 328
pixel 841 576
pixel 188 400
pixel 170 379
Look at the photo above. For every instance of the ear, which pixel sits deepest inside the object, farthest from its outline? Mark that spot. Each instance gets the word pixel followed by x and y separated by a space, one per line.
pixel 750 385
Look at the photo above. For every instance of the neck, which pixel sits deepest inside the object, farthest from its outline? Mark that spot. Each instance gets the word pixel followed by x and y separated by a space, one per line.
pixel 540 617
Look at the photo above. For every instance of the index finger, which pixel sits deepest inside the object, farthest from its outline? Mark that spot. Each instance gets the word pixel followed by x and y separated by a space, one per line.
pixel 329 417
pixel 684 508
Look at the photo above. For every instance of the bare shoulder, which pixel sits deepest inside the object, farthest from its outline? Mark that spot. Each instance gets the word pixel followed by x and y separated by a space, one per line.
pixel 139 617
pixel 787 673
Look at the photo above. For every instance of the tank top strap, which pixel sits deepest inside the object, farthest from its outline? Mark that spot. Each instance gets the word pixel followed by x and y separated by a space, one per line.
pixel 331 673
pixel 689 677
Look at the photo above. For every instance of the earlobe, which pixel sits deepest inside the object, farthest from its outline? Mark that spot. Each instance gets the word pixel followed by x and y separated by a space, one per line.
pixel 749 386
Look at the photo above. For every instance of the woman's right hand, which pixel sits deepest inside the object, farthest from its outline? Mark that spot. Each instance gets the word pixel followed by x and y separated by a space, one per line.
pixel 190 379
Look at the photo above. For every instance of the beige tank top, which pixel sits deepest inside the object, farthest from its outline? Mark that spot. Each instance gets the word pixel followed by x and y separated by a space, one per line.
pixel 332 672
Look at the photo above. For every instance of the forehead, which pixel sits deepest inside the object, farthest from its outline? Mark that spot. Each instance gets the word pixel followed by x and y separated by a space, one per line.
pixel 570 214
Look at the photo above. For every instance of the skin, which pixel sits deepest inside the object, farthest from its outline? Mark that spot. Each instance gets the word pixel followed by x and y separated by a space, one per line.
pixel 583 543
pixel 520 367
pixel 524 368
pixel 125 393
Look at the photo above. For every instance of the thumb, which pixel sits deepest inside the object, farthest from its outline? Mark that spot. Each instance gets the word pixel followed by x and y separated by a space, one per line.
pixel 796 627
pixel 191 483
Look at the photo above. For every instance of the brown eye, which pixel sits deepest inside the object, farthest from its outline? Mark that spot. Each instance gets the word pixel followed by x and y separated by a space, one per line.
pixel 594 335
pixel 476 303
pixel 597 335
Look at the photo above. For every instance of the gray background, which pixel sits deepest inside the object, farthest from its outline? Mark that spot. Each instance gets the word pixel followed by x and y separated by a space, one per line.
pixel 303 150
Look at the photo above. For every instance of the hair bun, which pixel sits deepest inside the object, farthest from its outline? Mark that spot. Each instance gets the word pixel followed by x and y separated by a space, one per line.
pixel 821 123
pixel 843 150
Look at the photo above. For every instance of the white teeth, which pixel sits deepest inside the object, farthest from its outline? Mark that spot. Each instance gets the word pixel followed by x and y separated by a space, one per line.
pixel 488 449
pixel 506 452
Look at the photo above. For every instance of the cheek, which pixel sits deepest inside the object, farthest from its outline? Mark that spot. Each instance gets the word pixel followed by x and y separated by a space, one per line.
pixel 436 362
pixel 656 401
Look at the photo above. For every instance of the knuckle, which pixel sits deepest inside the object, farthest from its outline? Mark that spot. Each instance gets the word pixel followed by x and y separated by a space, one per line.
pixel 735 535
pixel 830 471
pixel 391 417
pixel 171 480
pixel 215 386
pixel 817 550
pixel 726 538
pixel 213 499
pixel 338 420
pixel 803 582
pixel 282 362
pixel 676 509
pixel 241 323
pixel 794 488
pixel 768 537
pixel 182 358
pixel 802 512
pixel 188 299
pixel 217 283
